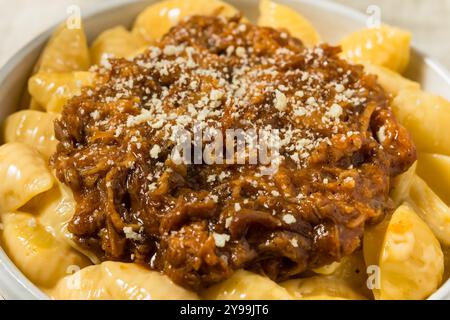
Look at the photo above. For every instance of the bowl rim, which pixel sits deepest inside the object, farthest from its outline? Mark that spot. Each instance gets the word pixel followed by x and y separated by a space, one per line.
pixel 14 284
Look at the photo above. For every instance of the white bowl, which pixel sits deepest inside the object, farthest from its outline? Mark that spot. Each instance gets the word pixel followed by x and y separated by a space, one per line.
pixel 331 20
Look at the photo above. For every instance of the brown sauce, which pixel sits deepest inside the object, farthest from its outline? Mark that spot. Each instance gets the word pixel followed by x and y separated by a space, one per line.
pixel 197 223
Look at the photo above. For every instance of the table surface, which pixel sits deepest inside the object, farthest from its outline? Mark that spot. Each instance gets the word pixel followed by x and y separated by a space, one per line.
pixel 22 20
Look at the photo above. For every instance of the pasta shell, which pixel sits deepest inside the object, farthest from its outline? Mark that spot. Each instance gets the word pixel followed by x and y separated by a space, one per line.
pixel 435 170
pixel 282 17
pixel 23 174
pixel 42 258
pixel 426 116
pixel 321 288
pixel 406 255
pixel 401 185
pixel 158 18
pixel 245 285
pixel 66 51
pixel 391 81
pixel 121 281
pixel 34 128
pixel 116 42
pixel 53 90
pixel 385 46
pixel 431 209
pixel 347 279
pixel 55 208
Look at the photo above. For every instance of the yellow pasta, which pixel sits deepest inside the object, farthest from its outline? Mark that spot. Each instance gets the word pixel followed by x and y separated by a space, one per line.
pixel 23 174
pixel 431 209
pixel 435 170
pixel 115 280
pixel 245 285
pixel 34 128
pixel 390 80
pixel 55 208
pixel 384 46
pixel 116 42
pixel 42 258
pixel 353 271
pixel 66 51
pixel 345 279
pixel 401 185
pixel 281 17
pixel 158 18
pixel 408 255
pixel 52 90
pixel 321 288
pixel 426 116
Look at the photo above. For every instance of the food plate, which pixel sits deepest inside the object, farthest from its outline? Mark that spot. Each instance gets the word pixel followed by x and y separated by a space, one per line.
pixel 331 20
